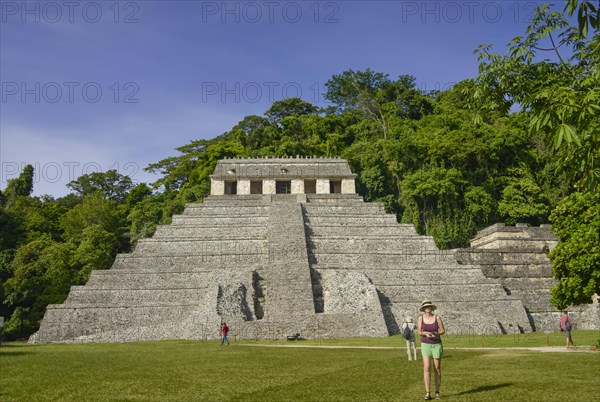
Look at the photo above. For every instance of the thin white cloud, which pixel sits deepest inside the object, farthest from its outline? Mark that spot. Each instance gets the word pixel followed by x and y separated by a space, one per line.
pixel 127 144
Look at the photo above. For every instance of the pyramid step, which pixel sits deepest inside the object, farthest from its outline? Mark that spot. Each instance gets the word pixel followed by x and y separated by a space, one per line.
pixel 121 279
pixel 355 220
pixel 371 245
pixel 337 210
pixel 393 229
pixel 415 278
pixel 529 283
pixel 478 291
pixel 334 199
pixel 219 220
pixel 238 199
pixel 517 270
pixel 381 259
pixel 208 233
pixel 498 256
pixel 224 210
pixel 135 297
pixel 535 301
pixel 191 263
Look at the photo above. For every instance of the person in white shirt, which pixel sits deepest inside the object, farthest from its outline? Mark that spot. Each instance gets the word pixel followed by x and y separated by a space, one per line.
pixel 411 340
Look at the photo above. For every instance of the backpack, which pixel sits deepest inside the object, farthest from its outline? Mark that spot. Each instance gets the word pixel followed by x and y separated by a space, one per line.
pixel 406 333
pixel 568 325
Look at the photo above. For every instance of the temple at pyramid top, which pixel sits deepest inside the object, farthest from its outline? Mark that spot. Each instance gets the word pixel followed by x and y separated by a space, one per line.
pixel 282 176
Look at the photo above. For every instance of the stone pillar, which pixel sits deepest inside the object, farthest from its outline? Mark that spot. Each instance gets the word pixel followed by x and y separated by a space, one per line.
pixel 243 187
pixel 348 186
pixel 322 186
pixel 268 186
pixel 297 186
pixel 217 187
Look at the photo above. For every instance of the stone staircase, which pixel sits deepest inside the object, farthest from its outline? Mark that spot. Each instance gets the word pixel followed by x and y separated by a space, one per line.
pixel 287 275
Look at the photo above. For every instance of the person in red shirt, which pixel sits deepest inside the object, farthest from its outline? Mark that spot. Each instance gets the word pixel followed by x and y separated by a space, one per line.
pixel 566 325
pixel 224 332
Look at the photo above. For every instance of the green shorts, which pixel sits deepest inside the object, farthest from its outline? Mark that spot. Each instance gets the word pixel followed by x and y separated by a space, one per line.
pixel 434 350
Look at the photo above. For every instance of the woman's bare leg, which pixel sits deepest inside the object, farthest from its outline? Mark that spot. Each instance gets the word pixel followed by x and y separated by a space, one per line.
pixel 437 367
pixel 426 369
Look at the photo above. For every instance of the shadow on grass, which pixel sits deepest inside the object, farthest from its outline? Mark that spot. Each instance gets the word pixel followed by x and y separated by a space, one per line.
pixel 12 349
pixel 485 388
pixel 13 353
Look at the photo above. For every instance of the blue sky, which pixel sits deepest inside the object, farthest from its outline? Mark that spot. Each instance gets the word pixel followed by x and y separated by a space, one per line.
pixel 95 85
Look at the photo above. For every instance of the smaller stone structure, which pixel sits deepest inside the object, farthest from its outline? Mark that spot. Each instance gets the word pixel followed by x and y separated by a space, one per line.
pixel 520 237
pixel 518 257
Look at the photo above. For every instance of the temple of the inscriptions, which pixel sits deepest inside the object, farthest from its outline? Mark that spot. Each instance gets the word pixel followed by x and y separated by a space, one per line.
pixel 285 247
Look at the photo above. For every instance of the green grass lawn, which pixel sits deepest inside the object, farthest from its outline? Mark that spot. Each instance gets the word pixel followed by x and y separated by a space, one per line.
pixel 195 371
pixel 532 339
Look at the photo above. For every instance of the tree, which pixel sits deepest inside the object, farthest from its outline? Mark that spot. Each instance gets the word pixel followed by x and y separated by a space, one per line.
pixel 348 89
pixel 377 98
pixel 576 258
pixel 523 200
pixel 289 107
pixel 6 272
pixel 588 15
pixel 96 250
pixel 431 191
pixel 254 132
pixel 358 91
pixel 11 231
pixel 22 186
pixel 562 96
pixel 479 204
pixel 42 274
pixel 138 194
pixel 176 170
pixel 112 185
pixel 94 210
pixel 28 282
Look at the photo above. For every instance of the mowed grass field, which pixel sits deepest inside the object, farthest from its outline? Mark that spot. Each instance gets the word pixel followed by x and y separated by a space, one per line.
pixel 376 370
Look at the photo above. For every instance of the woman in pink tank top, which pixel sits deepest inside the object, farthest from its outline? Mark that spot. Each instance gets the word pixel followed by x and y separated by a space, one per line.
pixel 431 328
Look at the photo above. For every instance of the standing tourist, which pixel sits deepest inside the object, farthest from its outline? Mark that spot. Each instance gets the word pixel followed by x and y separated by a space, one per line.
pixel 567 326
pixel 408 333
pixel 224 332
pixel 431 328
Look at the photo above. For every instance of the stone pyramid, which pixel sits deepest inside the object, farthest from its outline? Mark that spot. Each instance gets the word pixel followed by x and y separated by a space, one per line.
pixel 282 247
